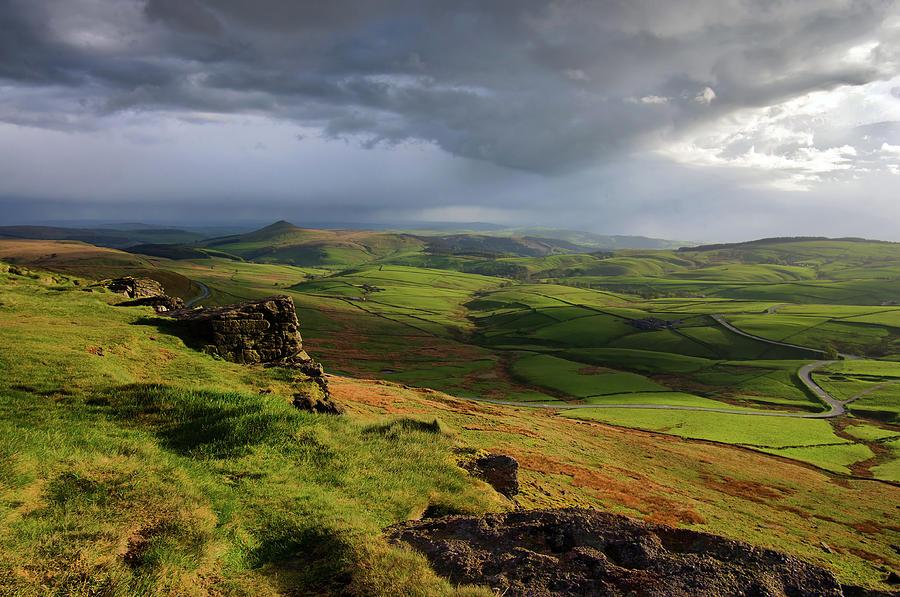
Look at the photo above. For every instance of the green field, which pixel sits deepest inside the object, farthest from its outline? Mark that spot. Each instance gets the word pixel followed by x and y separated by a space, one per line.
pixel 890 469
pixel 748 430
pixel 836 458
pixel 578 381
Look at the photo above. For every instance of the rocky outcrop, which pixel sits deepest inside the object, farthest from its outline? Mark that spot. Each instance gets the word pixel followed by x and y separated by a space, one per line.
pixel 262 331
pixel 160 303
pixel 499 471
pixel 323 404
pixel 574 551
pixel 135 288
pixel 143 292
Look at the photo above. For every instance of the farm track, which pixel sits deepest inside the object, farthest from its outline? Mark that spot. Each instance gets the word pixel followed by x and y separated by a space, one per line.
pixel 720 319
pixel 864 392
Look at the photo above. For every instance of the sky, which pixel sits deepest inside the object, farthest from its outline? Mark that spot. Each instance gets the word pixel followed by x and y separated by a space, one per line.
pixel 703 120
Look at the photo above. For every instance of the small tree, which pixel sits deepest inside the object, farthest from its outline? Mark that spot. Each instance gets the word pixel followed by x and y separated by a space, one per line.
pixel 831 352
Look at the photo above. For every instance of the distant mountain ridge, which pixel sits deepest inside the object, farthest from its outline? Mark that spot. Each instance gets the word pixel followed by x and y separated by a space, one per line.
pixel 586 241
pixel 522 246
pixel 777 240
pixel 102 237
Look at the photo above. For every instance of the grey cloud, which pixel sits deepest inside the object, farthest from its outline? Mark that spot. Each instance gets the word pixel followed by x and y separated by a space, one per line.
pixel 188 15
pixel 485 80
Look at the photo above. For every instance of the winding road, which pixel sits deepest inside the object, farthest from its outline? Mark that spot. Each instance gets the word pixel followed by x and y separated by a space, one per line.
pixel 720 319
pixel 205 294
pixel 835 406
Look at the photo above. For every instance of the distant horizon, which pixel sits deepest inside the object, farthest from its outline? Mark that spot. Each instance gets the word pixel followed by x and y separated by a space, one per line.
pixel 446 227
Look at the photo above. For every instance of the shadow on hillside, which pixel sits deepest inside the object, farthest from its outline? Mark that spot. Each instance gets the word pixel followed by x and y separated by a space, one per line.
pixel 314 558
pixel 291 538
pixel 207 424
pixel 403 425
pixel 173 327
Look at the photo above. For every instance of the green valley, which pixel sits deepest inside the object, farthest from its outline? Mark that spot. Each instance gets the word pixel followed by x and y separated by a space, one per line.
pixel 683 365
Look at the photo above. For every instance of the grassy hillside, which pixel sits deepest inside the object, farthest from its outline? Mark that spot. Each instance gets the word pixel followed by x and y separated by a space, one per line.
pixel 132 464
pixel 94 263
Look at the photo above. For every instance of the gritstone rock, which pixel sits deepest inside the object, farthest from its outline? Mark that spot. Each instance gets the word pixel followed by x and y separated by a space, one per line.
pixel 316 404
pixel 575 551
pixel 262 331
pixel 160 303
pixel 135 288
pixel 144 291
pixel 499 471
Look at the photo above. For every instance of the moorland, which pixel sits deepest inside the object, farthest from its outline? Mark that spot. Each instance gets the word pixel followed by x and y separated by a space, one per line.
pixel 750 390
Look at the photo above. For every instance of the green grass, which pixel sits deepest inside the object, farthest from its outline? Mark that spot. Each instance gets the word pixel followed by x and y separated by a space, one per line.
pixel 747 273
pixel 831 458
pixel 671 341
pixel 771 382
pixel 762 431
pixel 889 470
pixel 592 330
pixel 729 345
pixel 574 380
pixel 643 361
pixel 882 404
pixel 776 326
pixel 870 432
pixel 667 398
pixel 425 299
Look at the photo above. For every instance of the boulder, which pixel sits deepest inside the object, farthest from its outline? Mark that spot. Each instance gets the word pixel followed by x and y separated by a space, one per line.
pixel 303 363
pixel 261 331
pixel 499 471
pixel 576 551
pixel 161 303
pixel 318 404
pixel 135 288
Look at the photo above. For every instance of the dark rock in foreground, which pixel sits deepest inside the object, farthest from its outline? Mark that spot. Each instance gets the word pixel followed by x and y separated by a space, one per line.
pixel 261 331
pixel 573 551
pixel 499 471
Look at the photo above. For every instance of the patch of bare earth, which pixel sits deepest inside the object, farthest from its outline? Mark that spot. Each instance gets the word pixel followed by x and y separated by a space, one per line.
pixel 641 494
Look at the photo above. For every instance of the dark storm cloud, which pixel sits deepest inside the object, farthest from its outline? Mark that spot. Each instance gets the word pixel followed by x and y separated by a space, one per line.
pixel 525 84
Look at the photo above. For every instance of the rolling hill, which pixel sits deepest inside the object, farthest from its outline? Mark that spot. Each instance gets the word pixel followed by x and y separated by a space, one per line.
pixel 283 242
